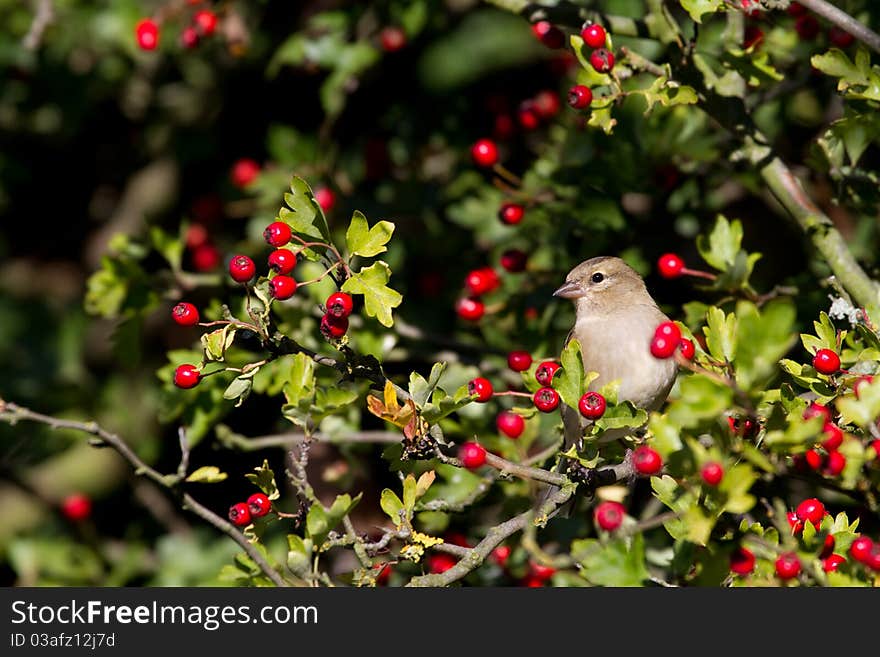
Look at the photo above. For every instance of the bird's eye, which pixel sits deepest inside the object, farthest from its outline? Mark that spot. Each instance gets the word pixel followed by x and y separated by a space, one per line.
pixel 598 277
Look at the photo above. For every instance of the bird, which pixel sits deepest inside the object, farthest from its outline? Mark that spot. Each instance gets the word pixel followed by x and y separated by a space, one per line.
pixel 615 321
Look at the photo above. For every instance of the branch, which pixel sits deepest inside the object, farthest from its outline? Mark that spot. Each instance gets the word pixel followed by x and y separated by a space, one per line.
pixel 525 471
pixel 287 440
pixel 43 17
pixel 12 413
pixel 845 22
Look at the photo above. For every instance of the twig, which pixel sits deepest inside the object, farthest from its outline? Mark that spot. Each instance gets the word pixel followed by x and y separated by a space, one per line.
pixel 43 17
pixel 845 22
pixel 289 439
pixel 526 472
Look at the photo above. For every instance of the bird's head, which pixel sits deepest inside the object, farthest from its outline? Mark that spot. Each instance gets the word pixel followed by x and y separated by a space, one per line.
pixel 604 283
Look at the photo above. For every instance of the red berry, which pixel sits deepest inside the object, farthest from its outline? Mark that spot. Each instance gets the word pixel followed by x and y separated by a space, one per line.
pixel 206 21
pixel 742 561
pixel 833 437
pixel 528 116
pixel 339 304
pixel 482 281
pixel 807 27
pixel 840 38
pixel 609 515
pixel 240 514
pixel 832 563
pixel 796 9
pixel 662 347
pixel 504 126
pixel 646 460
pixel 147 33
pixel 593 35
pixel 325 198
pixel 592 405
pixel 580 96
pixel 282 261
pixel 277 234
pixel 827 547
pixel 876 445
pixel 392 38
pixel 861 548
pixel 712 473
pixel 196 235
pixel 811 510
pixel 384 574
pixel 546 371
pixel 185 314
pixel 514 260
pixel 540 571
pixel 242 269
pixel 546 400
pixel 753 36
pixel 187 376
pixel 669 330
pixel 532 582
pixel 482 388
pixel 440 563
pixel 510 424
pixel 485 153
pixel 76 507
pixel 333 328
pixel 797 526
pixel 835 464
pixel 206 257
pixel 243 172
pixel 873 560
pixel 670 265
pixel 472 455
pixel 788 565
pixel 826 361
pixel 602 60
pixel 501 554
pixel 741 427
pixel 687 348
pixel 813 458
pixel 189 37
pixel 259 505
pixel 282 287
pixel 546 104
pixel 548 34
pixel 511 213
pixel 519 361
pixel 817 410
pixel 470 309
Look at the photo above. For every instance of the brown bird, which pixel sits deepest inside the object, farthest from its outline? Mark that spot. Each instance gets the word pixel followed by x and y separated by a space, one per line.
pixel 615 319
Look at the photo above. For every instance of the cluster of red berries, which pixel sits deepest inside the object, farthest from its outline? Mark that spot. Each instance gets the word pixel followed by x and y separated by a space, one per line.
pixel 824 456
pixel 805 24
pixel 667 339
pixel 242 513
pixel 595 37
pixel 203 24
pixel 334 323
pixel 485 280
pixel 536 576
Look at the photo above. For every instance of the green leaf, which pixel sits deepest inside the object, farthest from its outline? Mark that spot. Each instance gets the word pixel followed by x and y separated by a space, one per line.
pixel 419 389
pixel 169 246
pixel 239 389
pixel 798 432
pixel 858 79
pixel 305 216
pixel 737 482
pixel 317 524
pixel 667 435
pixel 720 332
pixel 299 391
pixel 409 494
pixel 617 563
pixel 600 116
pixel 667 93
pixel 264 479
pixel 762 338
pixel 570 381
pixel 697 8
pixel 365 241
pixel 207 474
pixel 700 399
pixel 864 410
pixel 391 505
pixel 723 244
pixel 620 415
pixel 379 299
pixel 299 555
pixel 441 404
pixel 217 342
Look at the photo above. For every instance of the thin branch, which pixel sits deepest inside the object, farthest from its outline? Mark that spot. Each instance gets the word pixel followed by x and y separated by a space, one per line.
pixel 525 471
pixel 289 439
pixel 43 17
pixel 845 22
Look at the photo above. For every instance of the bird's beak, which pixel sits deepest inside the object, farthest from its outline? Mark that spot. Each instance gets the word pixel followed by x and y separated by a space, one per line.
pixel 569 290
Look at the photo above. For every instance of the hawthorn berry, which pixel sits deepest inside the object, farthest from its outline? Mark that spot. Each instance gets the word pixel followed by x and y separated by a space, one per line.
pixel 333 328
pixel 325 198
pixel 609 515
pixel 196 235
pixel 807 27
pixel 876 445
pixel 532 582
pixel 742 561
pixel 384 574
pixel 206 21
pixel 592 405
pixel 205 257
pixel 669 330
pixel 501 554
pixel 189 37
pixel 514 260
pixel 482 388
pixel 540 571
pixel 147 33
pixel 243 172
pixel 546 104
pixel 519 361
pixel 259 505
pixel 472 455
pixel 504 126
pixel 440 563
pixel 240 514
pixel 840 37
pixel 392 38
pixel 511 213
pixel 797 526
pixel 813 458
pixel 470 309
pixel 670 265
pixel 687 348
pixel 712 473
pixel 796 9
pixel 187 376
pixel 817 410
pixel 646 460
pixel 835 464
pixel 752 36
pixel 277 234
pixel 602 60
pixel 185 314
pixel 811 510
pixel 580 96
pixel 339 304
pixel 662 347
pixel 548 34
pixel 546 399
pixel 873 560
pixel 861 548
pixel 593 35
pixel 282 261
pixel 527 115
pixel 242 268
pixel 826 361
pixel 76 507
pixel 831 563
pixel 484 153
pixel 546 371
pixel 510 424
pixel 788 566
pixel 745 427
pixel 482 281
pixel 827 547
pixel 833 437
pixel 282 287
